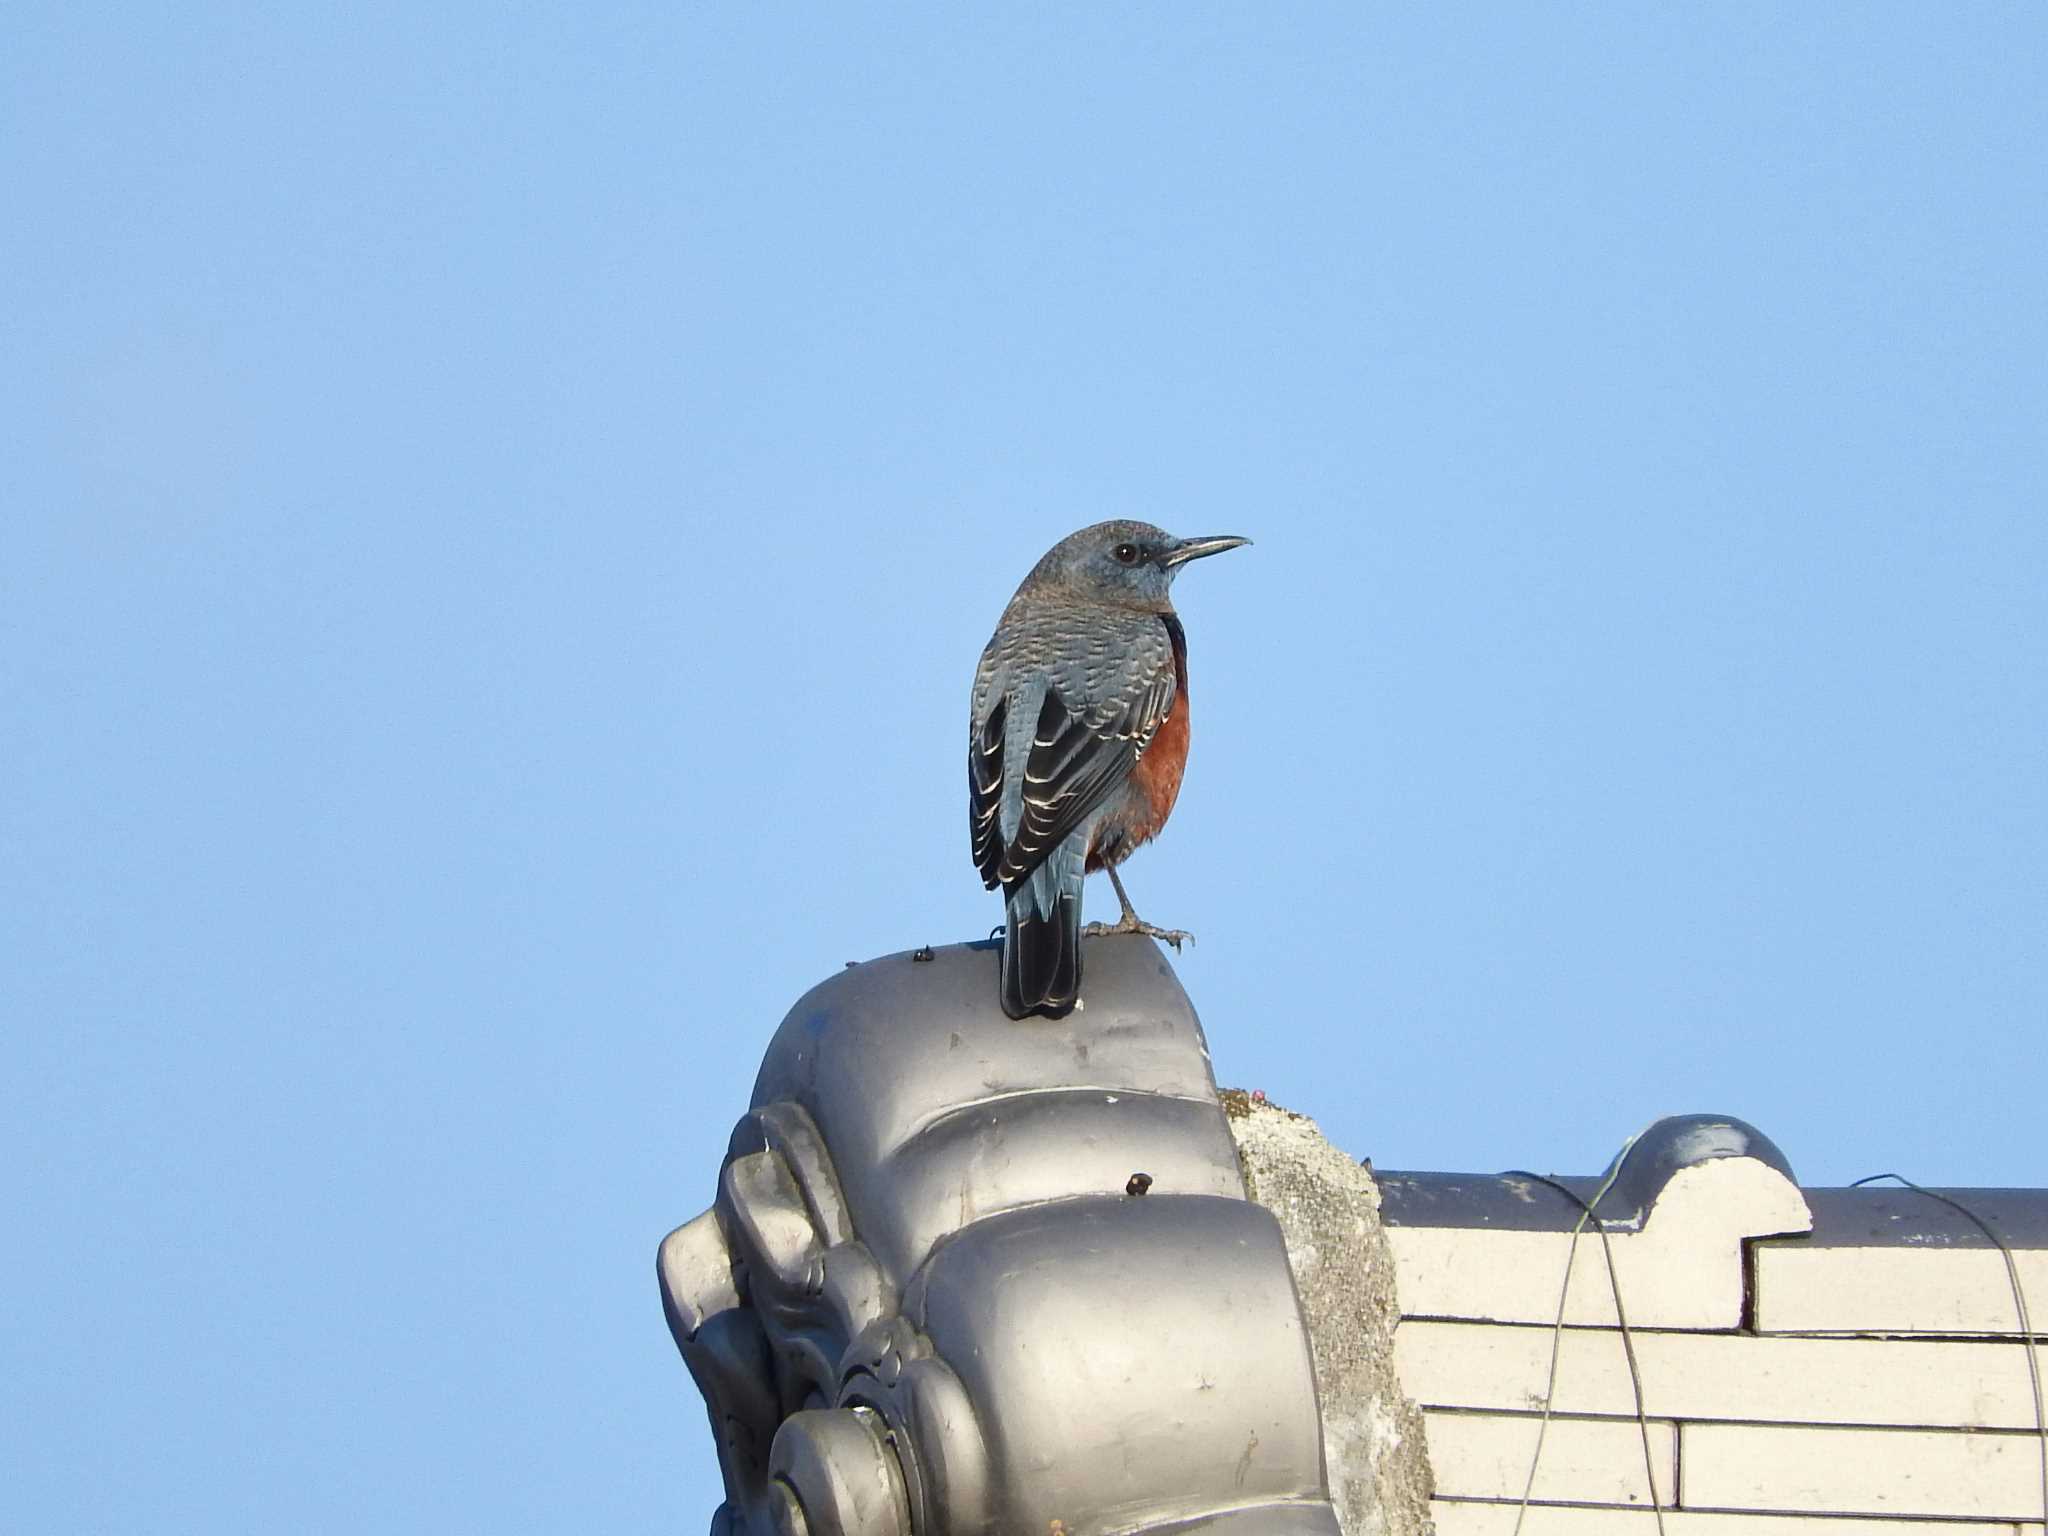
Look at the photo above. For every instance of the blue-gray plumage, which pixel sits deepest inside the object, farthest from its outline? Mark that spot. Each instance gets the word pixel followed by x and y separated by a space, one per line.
pixel 1078 737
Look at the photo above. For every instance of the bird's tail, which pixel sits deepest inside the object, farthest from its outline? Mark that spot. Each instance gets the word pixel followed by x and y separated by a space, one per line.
pixel 1042 939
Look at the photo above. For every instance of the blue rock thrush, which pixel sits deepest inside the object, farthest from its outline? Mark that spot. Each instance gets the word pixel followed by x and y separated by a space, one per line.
pixel 1078 739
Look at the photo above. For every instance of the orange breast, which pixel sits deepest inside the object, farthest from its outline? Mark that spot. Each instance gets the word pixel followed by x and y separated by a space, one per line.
pixel 1158 773
pixel 1154 783
pixel 1149 793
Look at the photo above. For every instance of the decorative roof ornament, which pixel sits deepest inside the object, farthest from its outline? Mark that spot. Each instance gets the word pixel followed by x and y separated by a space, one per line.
pixel 966 1275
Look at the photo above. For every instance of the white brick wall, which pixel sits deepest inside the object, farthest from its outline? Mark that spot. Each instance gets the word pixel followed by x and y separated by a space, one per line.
pixel 1833 1385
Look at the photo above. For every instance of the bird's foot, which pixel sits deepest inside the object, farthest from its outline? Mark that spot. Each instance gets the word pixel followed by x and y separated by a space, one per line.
pixel 1130 922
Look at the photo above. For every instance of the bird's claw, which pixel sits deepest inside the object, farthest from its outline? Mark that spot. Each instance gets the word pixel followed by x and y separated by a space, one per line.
pixel 1174 936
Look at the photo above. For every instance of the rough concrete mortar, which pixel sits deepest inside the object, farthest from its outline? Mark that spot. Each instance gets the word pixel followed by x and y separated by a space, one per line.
pixel 1329 1212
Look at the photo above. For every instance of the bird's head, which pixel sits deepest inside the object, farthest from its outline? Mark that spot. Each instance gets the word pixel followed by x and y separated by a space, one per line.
pixel 1123 563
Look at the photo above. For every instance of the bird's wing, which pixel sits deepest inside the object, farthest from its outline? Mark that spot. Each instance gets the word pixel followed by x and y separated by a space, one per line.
pixel 1079 756
pixel 985 790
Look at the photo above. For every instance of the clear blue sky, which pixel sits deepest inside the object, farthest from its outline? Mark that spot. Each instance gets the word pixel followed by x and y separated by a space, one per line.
pixel 501 508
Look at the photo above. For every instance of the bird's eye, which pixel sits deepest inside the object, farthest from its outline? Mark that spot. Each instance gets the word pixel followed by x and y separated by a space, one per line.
pixel 1127 554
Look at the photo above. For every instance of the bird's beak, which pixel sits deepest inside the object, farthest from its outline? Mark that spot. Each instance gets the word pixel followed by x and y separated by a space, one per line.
pixel 1185 550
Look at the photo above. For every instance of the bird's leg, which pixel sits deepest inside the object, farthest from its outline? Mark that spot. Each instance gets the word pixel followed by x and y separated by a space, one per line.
pixel 1130 922
pixel 1130 919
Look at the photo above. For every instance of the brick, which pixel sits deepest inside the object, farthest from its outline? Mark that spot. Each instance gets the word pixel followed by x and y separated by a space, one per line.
pixel 1720 1376
pixel 1456 1518
pixel 1598 1461
pixel 1892 1289
pixel 1683 1269
pixel 1990 1475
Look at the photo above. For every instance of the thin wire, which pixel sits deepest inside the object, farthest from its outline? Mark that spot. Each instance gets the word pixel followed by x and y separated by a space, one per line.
pixel 1635 1375
pixel 1550 1382
pixel 2019 1297
pixel 1557 1329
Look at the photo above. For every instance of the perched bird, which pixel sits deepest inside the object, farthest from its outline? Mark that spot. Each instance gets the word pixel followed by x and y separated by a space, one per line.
pixel 1078 736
